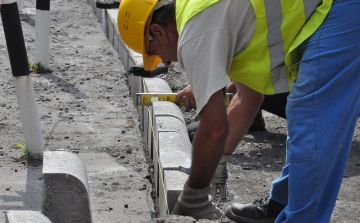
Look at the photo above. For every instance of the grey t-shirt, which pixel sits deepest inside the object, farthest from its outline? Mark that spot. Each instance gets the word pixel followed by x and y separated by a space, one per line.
pixel 208 43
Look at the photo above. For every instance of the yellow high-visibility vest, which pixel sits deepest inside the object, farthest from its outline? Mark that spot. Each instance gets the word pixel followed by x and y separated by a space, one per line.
pixel 281 26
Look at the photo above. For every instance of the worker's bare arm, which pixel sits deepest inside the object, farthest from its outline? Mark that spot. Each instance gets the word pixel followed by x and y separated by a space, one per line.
pixel 209 141
pixel 241 113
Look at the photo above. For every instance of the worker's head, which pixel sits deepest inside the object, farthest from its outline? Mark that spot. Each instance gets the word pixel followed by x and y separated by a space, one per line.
pixel 149 27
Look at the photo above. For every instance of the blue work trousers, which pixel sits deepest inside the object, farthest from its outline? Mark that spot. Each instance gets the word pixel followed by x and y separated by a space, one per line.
pixel 322 111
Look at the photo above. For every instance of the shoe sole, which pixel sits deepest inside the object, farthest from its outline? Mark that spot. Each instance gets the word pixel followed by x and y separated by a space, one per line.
pixel 238 219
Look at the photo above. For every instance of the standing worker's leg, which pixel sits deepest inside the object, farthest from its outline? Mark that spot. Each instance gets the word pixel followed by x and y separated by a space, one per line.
pixel 275 104
pixel 322 111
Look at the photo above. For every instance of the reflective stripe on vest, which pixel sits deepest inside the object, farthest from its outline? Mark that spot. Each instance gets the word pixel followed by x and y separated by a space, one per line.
pixel 278 32
pixel 274 17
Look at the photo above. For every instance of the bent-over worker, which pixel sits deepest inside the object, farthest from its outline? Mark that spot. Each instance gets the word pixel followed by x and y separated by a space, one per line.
pixel 266 47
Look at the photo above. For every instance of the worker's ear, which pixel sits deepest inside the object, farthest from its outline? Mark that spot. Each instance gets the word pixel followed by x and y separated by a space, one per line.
pixel 159 32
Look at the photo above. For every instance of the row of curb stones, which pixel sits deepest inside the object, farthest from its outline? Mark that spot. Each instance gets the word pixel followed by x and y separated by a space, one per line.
pixel 167 140
pixel 163 124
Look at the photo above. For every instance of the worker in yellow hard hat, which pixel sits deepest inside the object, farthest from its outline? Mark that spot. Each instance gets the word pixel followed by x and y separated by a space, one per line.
pixel 264 48
pixel 134 27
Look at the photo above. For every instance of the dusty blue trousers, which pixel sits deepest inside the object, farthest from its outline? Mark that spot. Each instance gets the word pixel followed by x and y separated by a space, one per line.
pixel 322 110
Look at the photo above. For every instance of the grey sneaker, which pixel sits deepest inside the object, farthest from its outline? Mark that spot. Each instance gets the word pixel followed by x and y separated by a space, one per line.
pixel 264 210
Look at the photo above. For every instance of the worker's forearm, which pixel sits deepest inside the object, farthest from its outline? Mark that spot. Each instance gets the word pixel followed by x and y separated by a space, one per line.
pixel 209 142
pixel 241 114
pixel 207 152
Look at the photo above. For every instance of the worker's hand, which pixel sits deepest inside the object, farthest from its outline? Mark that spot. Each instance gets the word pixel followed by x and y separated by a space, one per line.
pixel 219 180
pixel 196 203
pixel 189 98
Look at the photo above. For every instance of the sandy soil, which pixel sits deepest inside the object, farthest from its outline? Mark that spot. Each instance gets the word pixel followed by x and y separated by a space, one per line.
pixel 84 107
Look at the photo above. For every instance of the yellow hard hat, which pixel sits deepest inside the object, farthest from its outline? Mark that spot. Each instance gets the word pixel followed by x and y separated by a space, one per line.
pixel 132 18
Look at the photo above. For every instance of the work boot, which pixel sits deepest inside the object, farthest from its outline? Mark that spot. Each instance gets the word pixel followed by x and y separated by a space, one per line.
pixel 264 210
pixel 258 123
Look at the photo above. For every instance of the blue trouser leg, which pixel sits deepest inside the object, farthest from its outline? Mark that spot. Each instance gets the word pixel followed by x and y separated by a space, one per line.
pixel 322 111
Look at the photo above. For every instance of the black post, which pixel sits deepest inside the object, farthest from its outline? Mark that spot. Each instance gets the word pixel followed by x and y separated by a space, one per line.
pixel 15 39
pixel 43 5
pixel 20 69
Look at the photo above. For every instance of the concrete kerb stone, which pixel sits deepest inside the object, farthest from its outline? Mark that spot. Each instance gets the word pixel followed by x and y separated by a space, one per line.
pixel 166 108
pixel 101 16
pixel 66 196
pixel 116 44
pixel 152 85
pixel 25 217
pixel 110 27
pixel 173 183
pixel 174 151
pixel 178 143
pixel 157 85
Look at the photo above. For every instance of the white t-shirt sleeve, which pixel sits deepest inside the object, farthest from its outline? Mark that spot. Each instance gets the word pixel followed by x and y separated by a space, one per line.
pixel 205 65
pixel 208 43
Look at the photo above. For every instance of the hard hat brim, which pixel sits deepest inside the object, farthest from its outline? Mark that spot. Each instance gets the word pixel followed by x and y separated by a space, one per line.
pixel 150 61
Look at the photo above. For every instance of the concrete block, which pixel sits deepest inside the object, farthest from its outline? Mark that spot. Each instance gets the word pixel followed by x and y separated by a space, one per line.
pixel 141 112
pixel 66 196
pixel 147 124
pixel 170 190
pixel 25 217
pixel 151 127
pixel 136 86
pixel 167 124
pixel 162 109
pixel 110 28
pixel 113 14
pixel 170 124
pixel 124 54
pixel 153 85
pixel 174 149
pixel 116 41
pixel 121 52
pixel 137 57
pixel 165 108
pixel 131 62
pixel 156 85
pixel 100 15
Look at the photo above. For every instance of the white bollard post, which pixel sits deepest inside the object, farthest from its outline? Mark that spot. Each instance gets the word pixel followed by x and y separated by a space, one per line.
pixel 21 72
pixel 42 32
pixel 29 115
